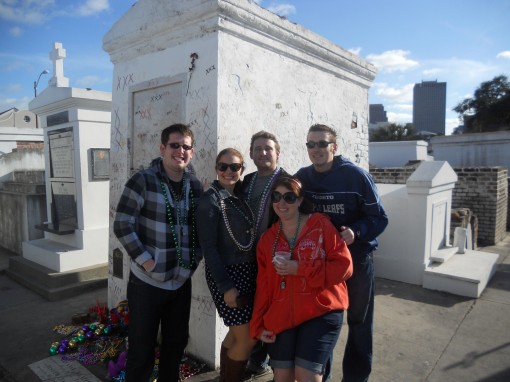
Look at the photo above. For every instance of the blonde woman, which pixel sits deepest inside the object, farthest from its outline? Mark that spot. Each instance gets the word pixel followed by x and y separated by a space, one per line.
pixel 226 233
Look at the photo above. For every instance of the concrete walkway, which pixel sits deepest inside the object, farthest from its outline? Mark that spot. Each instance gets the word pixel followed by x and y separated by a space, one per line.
pixel 419 334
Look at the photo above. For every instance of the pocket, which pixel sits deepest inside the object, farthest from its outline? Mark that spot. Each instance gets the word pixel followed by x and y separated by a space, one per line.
pixel 323 301
pixel 277 317
pixel 160 256
pixel 311 305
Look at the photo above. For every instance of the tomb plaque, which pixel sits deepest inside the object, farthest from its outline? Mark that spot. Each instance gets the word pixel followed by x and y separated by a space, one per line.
pixel 438 225
pixel 64 204
pixel 100 163
pixel 64 214
pixel 57 119
pixel 61 154
pixel 55 369
pixel 117 263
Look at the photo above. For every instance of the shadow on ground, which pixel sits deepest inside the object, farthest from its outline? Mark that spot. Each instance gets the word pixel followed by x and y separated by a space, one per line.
pixel 416 293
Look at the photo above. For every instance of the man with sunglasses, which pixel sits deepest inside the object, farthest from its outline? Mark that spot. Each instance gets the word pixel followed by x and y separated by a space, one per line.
pixel 264 151
pixel 155 223
pixel 347 193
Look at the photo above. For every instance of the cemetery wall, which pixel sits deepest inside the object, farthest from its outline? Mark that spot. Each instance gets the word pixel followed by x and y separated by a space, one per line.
pixel 397 153
pixel 22 195
pixel 484 190
pixel 23 158
pixel 22 206
pixel 12 138
pixel 471 150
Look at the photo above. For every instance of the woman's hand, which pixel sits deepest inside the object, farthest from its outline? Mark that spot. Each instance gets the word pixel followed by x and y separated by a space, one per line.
pixel 347 234
pixel 268 337
pixel 230 297
pixel 286 267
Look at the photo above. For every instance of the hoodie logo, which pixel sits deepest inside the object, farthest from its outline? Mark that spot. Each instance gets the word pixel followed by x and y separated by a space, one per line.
pixel 330 208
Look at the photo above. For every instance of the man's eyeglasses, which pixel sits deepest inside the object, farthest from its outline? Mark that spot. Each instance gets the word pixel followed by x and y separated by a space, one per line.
pixel 176 146
pixel 288 197
pixel 235 167
pixel 320 144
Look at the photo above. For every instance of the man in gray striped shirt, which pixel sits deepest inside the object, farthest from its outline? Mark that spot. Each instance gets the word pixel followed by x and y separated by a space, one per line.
pixel 155 223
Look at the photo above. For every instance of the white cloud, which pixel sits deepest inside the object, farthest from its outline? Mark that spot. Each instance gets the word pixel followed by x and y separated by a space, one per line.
pixel 403 94
pixel 18 62
pixel 400 118
pixel 40 11
pixel 392 61
pixel 26 11
pixel 433 72
pixel 451 124
pixel 504 54
pixel 356 51
pixel 283 10
pixel 92 7
pixel 402 106
pixel 9 103
pixel 15 31
pixel 460 68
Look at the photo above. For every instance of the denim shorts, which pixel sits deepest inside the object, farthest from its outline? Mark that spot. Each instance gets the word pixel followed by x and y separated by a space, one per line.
pixel 307 345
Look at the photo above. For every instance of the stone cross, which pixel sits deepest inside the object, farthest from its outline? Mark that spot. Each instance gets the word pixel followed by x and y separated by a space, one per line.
pixel 57 55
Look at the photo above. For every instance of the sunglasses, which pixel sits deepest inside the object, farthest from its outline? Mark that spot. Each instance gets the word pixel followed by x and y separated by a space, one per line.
pixel 234 167
pixel 320 144
pixel 176 146
pixel 288 197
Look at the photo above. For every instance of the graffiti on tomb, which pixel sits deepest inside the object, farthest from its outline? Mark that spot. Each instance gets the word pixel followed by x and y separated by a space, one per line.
pixel 154 105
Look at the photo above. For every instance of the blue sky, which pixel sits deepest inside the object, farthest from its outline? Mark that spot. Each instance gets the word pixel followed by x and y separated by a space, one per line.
pixel 461 42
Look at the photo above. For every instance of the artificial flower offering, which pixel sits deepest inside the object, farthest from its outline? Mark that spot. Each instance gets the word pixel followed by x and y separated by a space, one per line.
pixel 100 336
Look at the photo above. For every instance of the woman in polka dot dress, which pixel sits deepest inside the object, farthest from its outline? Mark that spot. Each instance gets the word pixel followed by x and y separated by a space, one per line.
pixel 226 233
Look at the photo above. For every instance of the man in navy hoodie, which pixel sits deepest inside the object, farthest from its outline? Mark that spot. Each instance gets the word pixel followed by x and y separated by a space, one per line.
pixel 347 193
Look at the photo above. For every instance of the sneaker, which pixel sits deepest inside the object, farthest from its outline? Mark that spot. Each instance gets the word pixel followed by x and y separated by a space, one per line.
pixel 251 375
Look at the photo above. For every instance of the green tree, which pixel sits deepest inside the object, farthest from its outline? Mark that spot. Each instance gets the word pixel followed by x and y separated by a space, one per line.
pixel 393 132
pixel 489 109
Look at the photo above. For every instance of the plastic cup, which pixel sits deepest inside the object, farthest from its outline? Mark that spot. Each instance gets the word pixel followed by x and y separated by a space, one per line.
pixel 280 256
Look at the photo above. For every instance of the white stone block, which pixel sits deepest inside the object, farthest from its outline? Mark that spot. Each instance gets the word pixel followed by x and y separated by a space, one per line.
pixel 463 275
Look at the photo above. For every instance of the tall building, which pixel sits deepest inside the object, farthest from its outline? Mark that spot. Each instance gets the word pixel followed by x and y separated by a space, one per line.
pixel 377 113
pixel 429 107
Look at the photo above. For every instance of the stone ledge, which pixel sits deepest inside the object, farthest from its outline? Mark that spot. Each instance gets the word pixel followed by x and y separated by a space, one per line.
pixel 442 255
pixel 463 275
pixel 55 286
pixel 25 188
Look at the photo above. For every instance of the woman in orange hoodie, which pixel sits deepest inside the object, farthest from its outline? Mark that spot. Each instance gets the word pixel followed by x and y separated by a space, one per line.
pixel 301 293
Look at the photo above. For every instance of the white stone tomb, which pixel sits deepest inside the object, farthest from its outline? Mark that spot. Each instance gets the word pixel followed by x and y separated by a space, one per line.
pixel 415 247
pixel 228 69
pixel 76 123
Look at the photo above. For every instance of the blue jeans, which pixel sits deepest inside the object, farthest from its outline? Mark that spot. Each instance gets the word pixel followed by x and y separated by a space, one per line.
pixel 148 308
pixel 308 345
pixel 357 362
